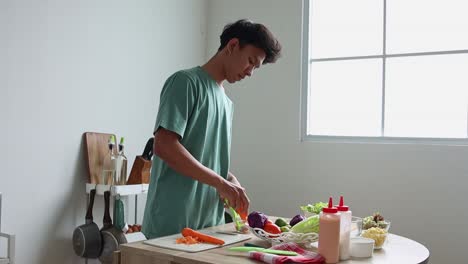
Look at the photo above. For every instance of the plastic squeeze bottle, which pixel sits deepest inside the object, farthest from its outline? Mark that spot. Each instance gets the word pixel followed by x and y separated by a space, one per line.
pixel 345 229
pixel 329 238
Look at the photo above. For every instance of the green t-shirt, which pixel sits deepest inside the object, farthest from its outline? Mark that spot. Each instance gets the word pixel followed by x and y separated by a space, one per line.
pixel 195 107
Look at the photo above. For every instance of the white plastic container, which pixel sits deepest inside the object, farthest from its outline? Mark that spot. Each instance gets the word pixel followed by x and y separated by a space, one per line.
pixel 361 247
pixel 345 229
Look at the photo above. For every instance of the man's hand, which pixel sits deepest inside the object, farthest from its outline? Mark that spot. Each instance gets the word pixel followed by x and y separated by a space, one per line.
pixel 233 179
pixel 231 190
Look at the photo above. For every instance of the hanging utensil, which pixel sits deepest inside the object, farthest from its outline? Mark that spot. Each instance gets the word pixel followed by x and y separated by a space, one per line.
pixel 119 213
pixel 87 241
pixel 111 236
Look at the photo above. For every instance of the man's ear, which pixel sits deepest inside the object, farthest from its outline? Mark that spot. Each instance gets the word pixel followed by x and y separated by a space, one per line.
pixel 231 45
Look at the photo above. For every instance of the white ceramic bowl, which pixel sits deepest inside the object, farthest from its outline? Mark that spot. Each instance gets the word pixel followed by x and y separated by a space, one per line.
pixel 361 247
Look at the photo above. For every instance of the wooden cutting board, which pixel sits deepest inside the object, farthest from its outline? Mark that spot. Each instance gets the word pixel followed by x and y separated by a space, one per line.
pixel 169 241
pixel 96 148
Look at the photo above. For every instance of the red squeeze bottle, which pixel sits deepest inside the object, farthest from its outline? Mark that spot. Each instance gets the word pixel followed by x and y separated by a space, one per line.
pixel 329 238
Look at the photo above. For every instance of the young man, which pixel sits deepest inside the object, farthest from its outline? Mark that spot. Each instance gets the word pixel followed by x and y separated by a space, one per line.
pixel 190 171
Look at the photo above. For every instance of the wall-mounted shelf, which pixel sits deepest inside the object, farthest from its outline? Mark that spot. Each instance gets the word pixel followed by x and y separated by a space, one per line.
pixel 122 190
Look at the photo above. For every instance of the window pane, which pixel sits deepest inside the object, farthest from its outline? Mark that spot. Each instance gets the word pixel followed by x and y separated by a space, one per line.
pixel 426 96
pixel 426 25
pixel 345 98
pixel 346 28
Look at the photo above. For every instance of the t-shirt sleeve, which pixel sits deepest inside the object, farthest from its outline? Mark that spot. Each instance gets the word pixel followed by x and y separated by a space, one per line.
pixel 176 104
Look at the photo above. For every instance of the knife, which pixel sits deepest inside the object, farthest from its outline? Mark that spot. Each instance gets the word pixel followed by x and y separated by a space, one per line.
pixel 264 250
pixel 232 233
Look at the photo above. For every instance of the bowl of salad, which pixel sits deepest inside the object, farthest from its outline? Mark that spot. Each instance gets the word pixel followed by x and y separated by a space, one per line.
pixel 376 227
pixel 375 220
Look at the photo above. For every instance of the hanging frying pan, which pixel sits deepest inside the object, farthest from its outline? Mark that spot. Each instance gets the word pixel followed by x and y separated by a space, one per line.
pixel 111 236
pixel 87 241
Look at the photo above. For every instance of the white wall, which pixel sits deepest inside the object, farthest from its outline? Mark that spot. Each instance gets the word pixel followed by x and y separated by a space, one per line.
pixel 67 67
pixel 417 187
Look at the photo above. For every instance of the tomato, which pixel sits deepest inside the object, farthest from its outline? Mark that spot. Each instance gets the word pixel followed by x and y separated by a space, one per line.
pixel 272 228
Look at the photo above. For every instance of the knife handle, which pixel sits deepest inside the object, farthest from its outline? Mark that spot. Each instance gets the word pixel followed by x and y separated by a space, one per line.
pixel 252 245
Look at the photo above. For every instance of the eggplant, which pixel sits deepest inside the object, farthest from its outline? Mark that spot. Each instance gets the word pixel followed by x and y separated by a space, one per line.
pixel 296 219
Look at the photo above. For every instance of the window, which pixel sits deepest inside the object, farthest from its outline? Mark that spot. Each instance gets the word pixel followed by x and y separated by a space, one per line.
pixel 385 70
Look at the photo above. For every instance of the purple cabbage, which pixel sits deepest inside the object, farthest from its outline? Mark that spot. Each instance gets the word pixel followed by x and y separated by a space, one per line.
pixel 257 219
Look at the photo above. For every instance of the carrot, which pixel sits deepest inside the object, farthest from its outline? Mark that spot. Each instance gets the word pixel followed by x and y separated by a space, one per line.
pixel 243 216
pixel 201 237
pixel 187 240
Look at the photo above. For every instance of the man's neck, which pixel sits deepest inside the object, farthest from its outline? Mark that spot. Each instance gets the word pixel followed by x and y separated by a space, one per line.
pixel 214 68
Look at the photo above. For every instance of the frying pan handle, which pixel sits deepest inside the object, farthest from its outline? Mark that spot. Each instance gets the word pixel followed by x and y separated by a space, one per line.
pixel 89 212
pixel 107 220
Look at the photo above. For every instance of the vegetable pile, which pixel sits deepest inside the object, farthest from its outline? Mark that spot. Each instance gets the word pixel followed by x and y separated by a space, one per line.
pixel 260 220
pixel 298 223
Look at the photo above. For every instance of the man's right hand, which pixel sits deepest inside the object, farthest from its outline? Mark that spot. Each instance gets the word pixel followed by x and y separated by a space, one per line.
pixel 235 195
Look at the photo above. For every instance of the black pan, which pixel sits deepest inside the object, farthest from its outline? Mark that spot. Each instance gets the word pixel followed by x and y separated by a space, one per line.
pixel 111 236
pixel 87 241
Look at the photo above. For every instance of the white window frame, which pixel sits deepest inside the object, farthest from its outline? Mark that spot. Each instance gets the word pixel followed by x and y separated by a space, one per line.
pixel 306 61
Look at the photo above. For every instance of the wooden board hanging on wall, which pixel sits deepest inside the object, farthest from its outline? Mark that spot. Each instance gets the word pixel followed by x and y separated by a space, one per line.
pixel 96 148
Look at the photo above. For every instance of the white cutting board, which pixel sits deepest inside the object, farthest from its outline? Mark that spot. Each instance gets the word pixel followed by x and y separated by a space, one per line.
pixel 170 241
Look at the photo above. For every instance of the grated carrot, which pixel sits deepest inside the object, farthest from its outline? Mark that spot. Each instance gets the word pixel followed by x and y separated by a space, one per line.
pixel 188 240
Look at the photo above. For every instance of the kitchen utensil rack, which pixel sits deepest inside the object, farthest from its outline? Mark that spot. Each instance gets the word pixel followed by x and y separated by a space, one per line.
pixel 122 190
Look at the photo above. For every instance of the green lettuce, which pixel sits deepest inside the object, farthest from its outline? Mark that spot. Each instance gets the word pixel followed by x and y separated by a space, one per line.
pixel 315 208
pixel 308 225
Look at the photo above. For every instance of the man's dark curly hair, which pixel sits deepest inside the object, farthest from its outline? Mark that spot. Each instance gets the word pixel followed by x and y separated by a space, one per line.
pixel 255 34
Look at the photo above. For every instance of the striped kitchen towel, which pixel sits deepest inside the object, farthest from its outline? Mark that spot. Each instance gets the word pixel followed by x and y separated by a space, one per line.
pixel 303 257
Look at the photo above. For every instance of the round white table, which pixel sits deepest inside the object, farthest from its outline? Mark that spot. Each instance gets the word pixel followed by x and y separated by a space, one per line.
pixel 397 250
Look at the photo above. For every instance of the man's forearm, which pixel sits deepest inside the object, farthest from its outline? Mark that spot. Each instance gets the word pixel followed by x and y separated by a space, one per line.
pixel 179 159
pixel 168 148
